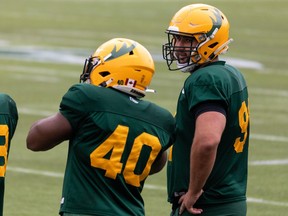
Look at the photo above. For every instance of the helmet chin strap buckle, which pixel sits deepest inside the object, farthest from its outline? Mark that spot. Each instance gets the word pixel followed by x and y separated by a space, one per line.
pixel 106 83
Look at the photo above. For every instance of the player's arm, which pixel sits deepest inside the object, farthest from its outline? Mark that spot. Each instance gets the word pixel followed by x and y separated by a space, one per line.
pixel 46 133
pixel 159 163
pixel 209 127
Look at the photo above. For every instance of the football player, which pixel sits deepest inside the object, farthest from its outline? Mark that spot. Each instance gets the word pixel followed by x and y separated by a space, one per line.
pixel 207 166
pixel 116 139
pixel 8 123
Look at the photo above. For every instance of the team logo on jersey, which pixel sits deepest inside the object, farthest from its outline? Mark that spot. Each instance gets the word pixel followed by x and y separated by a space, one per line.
pixel 183 92
pixel 130 82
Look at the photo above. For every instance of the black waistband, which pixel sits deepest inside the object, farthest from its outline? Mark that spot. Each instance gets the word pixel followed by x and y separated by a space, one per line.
pixel 176 198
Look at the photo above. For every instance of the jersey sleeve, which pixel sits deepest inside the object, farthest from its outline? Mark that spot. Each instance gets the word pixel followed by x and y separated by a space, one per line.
pixel 208 106
pixel 207 87
pixel 171 126
pixel 72 106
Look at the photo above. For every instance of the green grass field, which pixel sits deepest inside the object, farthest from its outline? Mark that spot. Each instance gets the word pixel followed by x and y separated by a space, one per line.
pixel 43 45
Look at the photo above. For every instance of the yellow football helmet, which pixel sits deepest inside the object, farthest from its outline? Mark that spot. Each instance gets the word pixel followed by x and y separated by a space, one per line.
pixel 122 64
pixel 203 23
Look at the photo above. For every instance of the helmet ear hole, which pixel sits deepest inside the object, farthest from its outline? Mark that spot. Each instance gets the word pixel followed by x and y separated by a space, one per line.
pixel 131 52
pixel 104 73
pixel 213 45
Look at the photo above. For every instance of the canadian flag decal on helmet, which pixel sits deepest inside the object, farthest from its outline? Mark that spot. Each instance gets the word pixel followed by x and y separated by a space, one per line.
pixel 130 82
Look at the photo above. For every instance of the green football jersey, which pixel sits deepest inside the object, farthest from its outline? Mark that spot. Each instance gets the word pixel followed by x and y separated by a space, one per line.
pixel 8 123
pixel 116 140
pixel 228 179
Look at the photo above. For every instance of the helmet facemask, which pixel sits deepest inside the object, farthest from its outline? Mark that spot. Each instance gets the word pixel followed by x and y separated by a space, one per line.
pixel 171 52
pixel 89 65
pixel 204 23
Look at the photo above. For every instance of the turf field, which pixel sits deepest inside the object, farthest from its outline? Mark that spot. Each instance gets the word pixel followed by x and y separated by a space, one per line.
pixel 43 45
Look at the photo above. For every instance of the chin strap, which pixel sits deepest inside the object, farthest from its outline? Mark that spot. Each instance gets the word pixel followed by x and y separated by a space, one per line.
pixel 106 83
pixel 220 50
pixel 186 68
pixel 133 91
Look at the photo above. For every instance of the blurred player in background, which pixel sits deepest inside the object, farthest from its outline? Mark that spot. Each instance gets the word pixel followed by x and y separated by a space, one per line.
pixel 8 123
pixel 207 166
pixel 116 139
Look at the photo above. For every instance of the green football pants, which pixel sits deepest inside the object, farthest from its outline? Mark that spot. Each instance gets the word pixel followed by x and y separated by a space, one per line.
pixel 227 209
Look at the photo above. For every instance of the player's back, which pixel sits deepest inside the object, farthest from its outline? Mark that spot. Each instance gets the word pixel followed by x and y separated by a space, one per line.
pixel 8 123
pixel 117 138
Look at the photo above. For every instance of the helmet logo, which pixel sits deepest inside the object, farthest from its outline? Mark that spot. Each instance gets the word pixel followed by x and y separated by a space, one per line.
pixel 122 51
pixel 216 23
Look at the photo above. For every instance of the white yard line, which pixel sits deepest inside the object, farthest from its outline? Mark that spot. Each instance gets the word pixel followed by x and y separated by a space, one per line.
pixel 147 186
pixel 269 92
pixel 35 112
pixel 266 202
pixel 35 172
pixel 73 57
pixel 269 162
pixel 269 137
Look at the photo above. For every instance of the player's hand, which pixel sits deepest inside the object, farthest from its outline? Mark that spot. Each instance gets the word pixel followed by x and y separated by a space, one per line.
pixel 187 202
